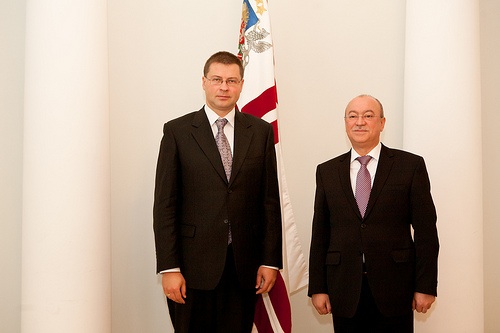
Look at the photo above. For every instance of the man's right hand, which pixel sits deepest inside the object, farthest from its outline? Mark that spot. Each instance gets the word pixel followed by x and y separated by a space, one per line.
pixel 174 286
pixel 322 303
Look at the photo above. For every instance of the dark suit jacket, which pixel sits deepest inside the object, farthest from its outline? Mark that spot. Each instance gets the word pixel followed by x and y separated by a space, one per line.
pixel 194 203
pixel 397 264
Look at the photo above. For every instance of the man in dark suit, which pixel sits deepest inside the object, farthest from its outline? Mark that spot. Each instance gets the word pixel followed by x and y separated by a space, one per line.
pixel 217 217
pixel 365 266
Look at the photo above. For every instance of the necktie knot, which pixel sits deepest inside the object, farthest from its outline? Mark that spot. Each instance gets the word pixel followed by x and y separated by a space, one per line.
pixel 220 123
pixel 364 159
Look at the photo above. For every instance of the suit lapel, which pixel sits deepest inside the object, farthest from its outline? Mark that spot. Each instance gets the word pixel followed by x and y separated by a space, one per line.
pixel 384 167
pixel 242 139
pixel 202 133
pixel 345 169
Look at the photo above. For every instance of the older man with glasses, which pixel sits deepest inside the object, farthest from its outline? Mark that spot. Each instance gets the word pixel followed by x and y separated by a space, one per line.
pixel 366 267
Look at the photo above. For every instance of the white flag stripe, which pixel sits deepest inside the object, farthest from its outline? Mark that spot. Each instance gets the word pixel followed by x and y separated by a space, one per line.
pixel 296 273
pixel 250 92
pixel 271 116
pixel 273 318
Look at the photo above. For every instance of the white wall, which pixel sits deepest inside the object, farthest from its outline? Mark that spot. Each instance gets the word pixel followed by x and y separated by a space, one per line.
pixel 12 19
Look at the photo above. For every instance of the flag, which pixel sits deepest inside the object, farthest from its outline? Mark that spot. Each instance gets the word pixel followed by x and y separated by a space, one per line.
pixel 259 98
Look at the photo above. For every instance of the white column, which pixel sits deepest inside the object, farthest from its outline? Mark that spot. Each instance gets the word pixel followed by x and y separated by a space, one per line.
pixel 442 122
pixel 66 205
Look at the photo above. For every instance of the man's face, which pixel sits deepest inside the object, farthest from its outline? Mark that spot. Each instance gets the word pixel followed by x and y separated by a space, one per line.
pixel 363 122
pixel 222 97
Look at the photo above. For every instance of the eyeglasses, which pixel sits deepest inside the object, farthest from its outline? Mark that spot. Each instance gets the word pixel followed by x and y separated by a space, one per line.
pixel 217 81
pixel 366 117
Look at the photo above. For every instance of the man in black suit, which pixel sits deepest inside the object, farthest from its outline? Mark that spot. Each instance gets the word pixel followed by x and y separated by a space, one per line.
pixel 366 268
pixel 217 230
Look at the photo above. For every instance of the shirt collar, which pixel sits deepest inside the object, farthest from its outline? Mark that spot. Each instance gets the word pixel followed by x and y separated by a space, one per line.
pixel 374 153
pixel 212 116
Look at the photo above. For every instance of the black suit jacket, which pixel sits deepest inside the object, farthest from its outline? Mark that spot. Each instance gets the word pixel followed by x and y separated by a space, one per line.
pixel 194 203
pixel 397 263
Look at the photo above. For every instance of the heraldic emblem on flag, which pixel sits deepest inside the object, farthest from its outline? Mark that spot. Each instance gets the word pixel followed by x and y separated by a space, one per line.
pixel 259 98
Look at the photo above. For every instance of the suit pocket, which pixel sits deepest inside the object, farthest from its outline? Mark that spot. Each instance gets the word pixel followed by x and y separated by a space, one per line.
pixel 332 258
pixel 187 230
pixel 403 255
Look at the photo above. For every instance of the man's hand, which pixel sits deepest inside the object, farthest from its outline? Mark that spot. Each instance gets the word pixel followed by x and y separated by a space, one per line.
pixel 266 277
pixel 322 303
pixel 174 286
pixel 422 302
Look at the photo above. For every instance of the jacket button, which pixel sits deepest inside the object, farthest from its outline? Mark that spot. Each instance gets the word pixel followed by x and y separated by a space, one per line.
pixel 226 221
pixel 363 226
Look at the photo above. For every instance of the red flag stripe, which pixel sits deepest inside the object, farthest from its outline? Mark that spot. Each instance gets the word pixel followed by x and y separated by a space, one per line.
pixel 262 104
pixel 280 305
pixel 278 296
pixel 275 128
pixel 262 322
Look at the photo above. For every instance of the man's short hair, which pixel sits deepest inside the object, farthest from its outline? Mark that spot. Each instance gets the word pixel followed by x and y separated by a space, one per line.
pixel 376 100
pixel 226 58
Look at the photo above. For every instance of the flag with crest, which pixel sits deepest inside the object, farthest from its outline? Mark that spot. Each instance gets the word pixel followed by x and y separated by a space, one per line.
pixel 259 98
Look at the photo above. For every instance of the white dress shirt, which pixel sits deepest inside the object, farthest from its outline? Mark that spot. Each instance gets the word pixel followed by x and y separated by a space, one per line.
pixel 228 129
pixel 371 166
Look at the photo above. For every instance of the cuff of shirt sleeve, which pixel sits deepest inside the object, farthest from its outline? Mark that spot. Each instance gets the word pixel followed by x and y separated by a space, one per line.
pixel 272 267
pixel 171 270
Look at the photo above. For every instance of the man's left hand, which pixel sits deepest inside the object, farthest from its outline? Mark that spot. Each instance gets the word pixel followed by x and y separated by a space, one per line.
pixel 266 277
pixel 422 302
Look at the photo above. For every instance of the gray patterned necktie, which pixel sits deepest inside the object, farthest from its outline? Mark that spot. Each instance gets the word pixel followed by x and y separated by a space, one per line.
pixel 224 148
pixel 363 184
pixel 226 157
